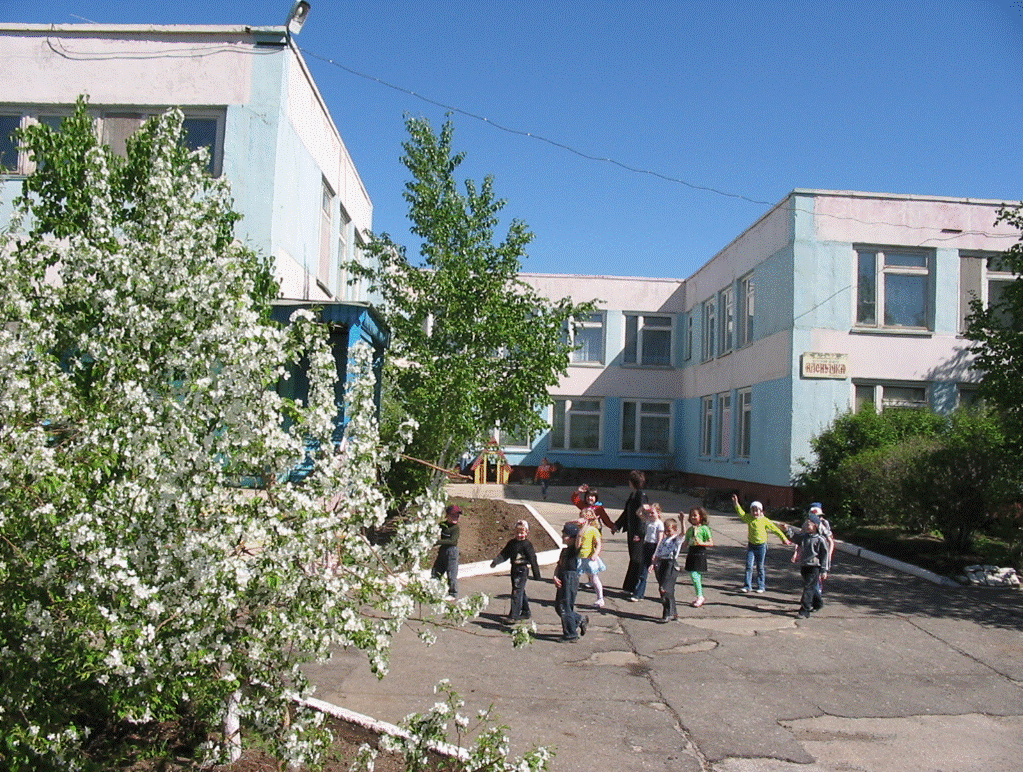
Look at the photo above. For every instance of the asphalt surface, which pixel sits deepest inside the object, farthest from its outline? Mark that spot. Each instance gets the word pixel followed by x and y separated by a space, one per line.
pixel 895 674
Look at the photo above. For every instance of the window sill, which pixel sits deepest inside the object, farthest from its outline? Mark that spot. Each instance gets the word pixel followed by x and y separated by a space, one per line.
pixel 907 332
pixel 593 365
pixel 625 366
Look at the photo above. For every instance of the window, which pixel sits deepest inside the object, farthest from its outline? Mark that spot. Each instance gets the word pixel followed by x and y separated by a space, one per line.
pixel 646 427
pixel 706 426
pixel 727 315
pixel 996 278
pixel 343 241
pixel 690 324
pixel 724 448
pixel 647 341
pixel 892 289
pixel 745 423
pixel 14 160
pixel 509 439
pixel 968 395
pixel 890 396
pixel 326 223
pixel 576 424
pixel 983 276
pixel 709 328
pixel 588 340
pixel 9 153
pixel 200 128
pixel 746 287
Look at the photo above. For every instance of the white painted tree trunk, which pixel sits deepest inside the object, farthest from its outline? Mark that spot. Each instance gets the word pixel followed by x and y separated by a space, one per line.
pixel 232 727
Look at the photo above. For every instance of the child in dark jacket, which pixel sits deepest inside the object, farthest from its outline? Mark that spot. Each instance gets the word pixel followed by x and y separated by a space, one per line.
pixel 814 562
pixel 446 563
pixel 522 554
pixel 566 579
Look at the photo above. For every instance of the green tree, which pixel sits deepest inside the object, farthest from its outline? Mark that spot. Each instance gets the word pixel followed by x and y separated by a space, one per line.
pixel 139 373
pixel 474 347
pixel 996 333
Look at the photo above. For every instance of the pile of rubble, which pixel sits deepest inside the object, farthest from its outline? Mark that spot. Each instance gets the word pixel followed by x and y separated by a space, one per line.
pixel 990 576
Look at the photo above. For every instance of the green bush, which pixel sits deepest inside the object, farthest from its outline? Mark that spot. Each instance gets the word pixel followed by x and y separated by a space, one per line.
pixel 880 484
pixel 852 434
pixel 920 472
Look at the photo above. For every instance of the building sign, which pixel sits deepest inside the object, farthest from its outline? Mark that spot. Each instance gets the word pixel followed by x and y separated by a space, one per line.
pixel 818 365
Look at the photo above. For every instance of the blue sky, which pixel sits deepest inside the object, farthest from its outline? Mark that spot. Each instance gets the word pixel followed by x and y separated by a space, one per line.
pixel 722 108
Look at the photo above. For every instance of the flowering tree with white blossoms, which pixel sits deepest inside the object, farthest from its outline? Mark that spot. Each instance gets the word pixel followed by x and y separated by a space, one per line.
pixel 139 369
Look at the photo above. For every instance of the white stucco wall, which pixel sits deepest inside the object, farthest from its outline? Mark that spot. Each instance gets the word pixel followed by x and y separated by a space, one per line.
pixel 125 64
pixel 279 140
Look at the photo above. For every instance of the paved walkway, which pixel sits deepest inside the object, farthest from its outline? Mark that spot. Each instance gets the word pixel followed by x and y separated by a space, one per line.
pixel 896 674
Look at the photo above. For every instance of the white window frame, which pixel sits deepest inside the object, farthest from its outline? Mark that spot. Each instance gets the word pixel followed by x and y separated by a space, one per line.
pixel 580 354
pixel 879 264
pixel 639 326
pixel 744 435
pixel 564 409
pixel 690 335
pixel 726 316
pixel 874 392
pixel 644 411
pixel 747 289
pixel 723 447
pixel 327 196
pixel 706 426
pixel 709 315
pixel 498 434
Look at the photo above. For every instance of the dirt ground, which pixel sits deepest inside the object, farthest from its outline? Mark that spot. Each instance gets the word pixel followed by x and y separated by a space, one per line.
pixel 486 526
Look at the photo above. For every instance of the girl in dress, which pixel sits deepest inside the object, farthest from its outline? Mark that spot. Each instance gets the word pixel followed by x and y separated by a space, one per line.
pixel 590 545
pixel 698 537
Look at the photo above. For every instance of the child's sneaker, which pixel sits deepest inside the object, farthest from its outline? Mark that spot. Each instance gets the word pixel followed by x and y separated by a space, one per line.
pixel 599 603
pixel 698 602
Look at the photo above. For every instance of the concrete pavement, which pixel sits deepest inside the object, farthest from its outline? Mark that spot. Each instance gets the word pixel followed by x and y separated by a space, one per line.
pixel 895 674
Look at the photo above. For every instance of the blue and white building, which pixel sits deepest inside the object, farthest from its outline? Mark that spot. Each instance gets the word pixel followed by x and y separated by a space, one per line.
pixel 830 302
pixel 248 96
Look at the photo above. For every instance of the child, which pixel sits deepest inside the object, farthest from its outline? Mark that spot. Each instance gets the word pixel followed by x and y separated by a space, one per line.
pixel 698 537
pixel 590 545
pixel 756 546
pixel 522 554
pixel 566 579
pixel 812 557
pixel 666 570
pixel 652 537
pixel 826 532
pixel 447 554
pixel 584 496
pixel 543 475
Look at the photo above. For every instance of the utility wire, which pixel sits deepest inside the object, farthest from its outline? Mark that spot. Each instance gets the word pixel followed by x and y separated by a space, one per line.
pixel 621 165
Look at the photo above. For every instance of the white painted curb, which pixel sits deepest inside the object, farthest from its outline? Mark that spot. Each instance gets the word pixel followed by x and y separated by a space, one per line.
pixel 898 565
pixel 380 727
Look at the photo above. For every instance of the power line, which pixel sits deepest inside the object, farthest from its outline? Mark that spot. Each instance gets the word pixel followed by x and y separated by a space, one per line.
pixel 620 164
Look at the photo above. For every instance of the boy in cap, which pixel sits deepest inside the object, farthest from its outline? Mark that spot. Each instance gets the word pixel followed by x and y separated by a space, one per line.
pixel 566 579
pixel 812 557
pixel 447 552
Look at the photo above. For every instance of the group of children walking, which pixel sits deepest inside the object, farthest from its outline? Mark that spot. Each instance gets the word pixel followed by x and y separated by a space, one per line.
pixel 656 544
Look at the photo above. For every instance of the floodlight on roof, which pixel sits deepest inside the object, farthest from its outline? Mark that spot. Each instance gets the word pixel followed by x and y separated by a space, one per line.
pixel 299 13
